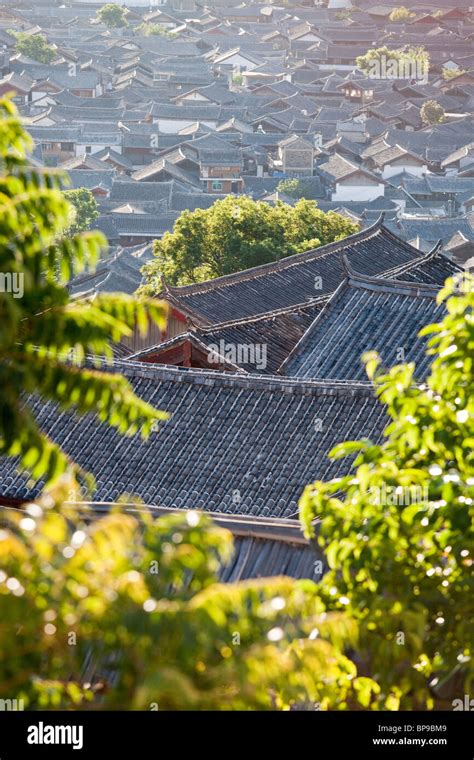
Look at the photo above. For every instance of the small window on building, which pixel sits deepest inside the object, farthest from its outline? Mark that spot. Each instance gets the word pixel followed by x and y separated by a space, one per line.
pixel 216 185
pixel 88 148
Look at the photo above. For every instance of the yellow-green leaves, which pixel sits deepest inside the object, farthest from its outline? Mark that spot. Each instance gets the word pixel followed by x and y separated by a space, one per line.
pixel 135 601
pixel 399 539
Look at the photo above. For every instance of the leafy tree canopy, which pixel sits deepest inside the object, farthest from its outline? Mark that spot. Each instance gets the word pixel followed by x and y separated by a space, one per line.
pixel 398 532
pixel 40 325
pixel 237 233
pixel 84 210
pixel 113 15
pixel 150 30
pixel 407 62
pixel 292 187
pixel 432 112
pixel 401 14
pixel 34 46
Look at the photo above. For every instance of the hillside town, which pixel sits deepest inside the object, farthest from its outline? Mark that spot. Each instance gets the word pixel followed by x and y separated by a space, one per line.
pixel 267 101
pixel 187 102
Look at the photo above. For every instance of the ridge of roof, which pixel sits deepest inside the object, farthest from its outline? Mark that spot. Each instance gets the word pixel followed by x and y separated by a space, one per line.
pixel 360 282
pixel 265 315
pixel 176 340
pixel 386 284
pixel 284 263
pixel 275 528
pixel 423 259
pixel 265 383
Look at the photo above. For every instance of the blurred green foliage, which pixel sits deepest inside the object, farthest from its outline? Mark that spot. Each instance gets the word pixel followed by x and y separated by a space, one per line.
pixel 135 601
pixel 44 335
pixel 397 533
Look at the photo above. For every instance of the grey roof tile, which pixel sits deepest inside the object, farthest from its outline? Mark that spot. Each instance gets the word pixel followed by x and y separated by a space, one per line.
pixel 366 314
pixel 226 433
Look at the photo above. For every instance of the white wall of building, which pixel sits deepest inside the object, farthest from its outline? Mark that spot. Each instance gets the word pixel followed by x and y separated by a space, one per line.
pixel 95 148
pixel 357 192
pixel 390 170
pixel 239 62
pixel 193 96
pixel 173 126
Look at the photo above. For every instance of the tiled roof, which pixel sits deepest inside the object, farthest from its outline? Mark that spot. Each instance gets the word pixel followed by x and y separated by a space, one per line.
pixel 292 280
pixel 59 132
pixel 432 268
pixel 234 443
pixel 439 184
pixel 258 187
pixel 338 167
pixel 228 157
pixel 108 154
pixel 431 229
pixel 144 224
pixel 162 165
pixel 194 112
pixel 181 201
pixel 390 154
pixel 437 142
pixel 366 314
pixel 130 190
pixel 278 331
pixel 91 178
pixel 67 98
pixel 57 74
pixel 91 113
pixel 262 546
pixel 121 273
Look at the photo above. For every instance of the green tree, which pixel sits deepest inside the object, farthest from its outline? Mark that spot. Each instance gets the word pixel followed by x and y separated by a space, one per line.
pixel 383 62
pixel 401 14
pixel 40 326
pixel 84 210
pixel 346 13
pixel 34 46
pixel 452 73
pixel 291 187
pixel 432 112
pixel 149 30
pixel 398 530
pixel 237 233
pixel 113 15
